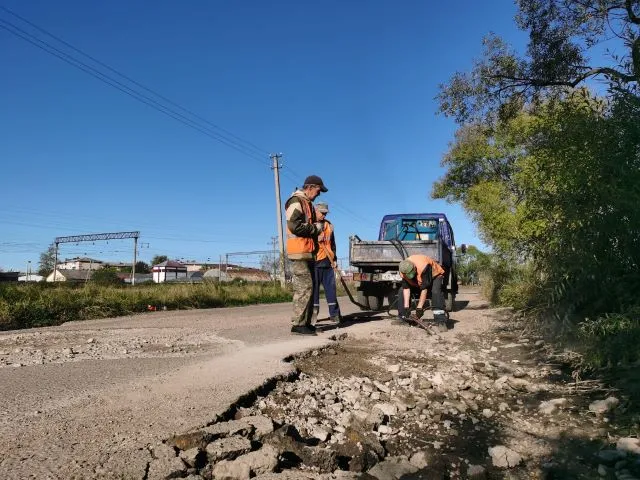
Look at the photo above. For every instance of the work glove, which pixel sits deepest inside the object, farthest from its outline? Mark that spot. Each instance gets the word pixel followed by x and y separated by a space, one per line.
pixel 419 312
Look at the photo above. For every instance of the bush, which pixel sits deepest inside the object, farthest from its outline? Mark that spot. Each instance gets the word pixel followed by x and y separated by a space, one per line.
pixel 31 305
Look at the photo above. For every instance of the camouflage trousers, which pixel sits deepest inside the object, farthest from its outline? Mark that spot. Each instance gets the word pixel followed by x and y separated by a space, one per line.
pixel 302 280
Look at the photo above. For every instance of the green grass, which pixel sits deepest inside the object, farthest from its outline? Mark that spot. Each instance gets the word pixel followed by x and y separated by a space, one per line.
pixel 36 305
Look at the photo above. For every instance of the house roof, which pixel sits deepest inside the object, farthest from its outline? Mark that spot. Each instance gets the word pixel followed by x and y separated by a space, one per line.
pixel 82 259
pixel 170 264
pixel 70 274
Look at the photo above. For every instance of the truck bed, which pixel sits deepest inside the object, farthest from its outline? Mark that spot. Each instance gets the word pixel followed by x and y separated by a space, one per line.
pixel 384 253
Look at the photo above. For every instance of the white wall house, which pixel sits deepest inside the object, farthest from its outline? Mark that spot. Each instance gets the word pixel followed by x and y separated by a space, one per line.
pixel 80 263
pixel 168 270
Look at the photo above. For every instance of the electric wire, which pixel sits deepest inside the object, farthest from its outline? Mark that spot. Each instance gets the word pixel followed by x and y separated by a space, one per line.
pixel 184 109
pixel 52 50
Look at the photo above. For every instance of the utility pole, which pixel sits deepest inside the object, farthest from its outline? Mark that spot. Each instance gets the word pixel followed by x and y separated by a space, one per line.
pixel 275 157
pixel 135 259
pixel 274 262
pixel 55 263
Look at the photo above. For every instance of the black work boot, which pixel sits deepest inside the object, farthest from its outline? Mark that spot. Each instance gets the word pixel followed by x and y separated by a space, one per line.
pixel 302 330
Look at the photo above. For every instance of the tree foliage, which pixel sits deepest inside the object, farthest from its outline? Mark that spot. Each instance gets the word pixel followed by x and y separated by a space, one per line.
pixel 47 261
pixel 563 35
pixel 159 259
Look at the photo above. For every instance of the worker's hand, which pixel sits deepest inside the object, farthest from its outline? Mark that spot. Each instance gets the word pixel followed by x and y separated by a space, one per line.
pixel 319 227
pixel 419 312
pixel 334 265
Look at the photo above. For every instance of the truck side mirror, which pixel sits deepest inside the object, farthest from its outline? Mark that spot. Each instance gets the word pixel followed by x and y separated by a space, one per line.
pixel 463 248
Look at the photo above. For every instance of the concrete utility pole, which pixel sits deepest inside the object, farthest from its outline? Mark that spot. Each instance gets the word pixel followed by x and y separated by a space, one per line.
pixel 55 263
pixel 274 264
pixel 275 157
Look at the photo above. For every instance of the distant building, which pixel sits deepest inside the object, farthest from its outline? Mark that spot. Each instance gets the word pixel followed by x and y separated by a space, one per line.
pixel 140 277
pixel 80 263
pixel 9 276
pixel 30 277
pixel 231 272
pixel 69 275
pixel 169 270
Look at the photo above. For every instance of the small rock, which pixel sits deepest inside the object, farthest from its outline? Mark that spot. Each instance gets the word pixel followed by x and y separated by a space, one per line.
pixel 629 445
pixel 603 406
pixel 487 413
pixel 385 429
pixel 393 368
pixel 419 459
pixel 550 406
pixel 381 386
pixel 602 470
pixel 476 472
pixel 504 457
pixel 91 340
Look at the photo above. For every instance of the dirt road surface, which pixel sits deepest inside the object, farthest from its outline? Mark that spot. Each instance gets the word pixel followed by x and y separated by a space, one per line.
pixel 83 398
pixel 93 399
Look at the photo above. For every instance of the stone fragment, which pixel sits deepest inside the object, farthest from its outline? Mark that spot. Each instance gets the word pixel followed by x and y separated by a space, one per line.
pixel 550 406
pixel 227 448
pixel 392 468
pixel 261 461
pixel 381 386
pixel 504 457
pixel 194 457
pixel 393 368
pixel 420 459
pixel 476 472
pixel 628 445
pixel 387 408
pixel 162 468
pixel 603 406
pixel 231 470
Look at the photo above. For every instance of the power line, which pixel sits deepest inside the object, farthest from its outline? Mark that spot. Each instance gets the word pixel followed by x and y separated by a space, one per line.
pixel 151 102
pixel 218 127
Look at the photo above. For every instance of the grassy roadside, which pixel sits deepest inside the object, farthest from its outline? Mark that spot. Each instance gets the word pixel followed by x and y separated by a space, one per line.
pixel 37 305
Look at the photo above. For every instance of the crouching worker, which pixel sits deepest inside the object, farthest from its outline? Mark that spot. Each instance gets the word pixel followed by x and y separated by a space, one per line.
pixel 421 275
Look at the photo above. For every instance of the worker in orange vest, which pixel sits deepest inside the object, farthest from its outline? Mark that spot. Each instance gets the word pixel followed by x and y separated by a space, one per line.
pixel 302 246
pixel 421 275
pixel 325 265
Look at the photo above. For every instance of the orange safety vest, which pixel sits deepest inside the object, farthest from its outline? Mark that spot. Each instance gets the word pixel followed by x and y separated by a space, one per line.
pixel 301 248
pixel 324 240
pixel 421 262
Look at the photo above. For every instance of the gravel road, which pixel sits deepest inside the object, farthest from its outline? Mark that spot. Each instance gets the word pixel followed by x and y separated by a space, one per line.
pixel 84 398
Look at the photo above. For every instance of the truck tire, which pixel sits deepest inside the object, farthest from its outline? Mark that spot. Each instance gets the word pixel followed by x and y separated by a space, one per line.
pixel 449 301
pixel 362 300
pixel 376 302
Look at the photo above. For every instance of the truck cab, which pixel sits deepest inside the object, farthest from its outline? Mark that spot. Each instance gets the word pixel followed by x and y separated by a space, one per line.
pixel 400 236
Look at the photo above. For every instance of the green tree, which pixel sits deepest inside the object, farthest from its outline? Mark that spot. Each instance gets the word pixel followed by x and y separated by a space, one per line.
pixel 159 259
pixel 47 261
pixel 562 36
pixel 472 264
pixel 106 276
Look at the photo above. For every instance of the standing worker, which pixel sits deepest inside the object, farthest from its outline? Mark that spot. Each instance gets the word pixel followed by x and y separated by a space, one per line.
pixel 325 265
pixel 302 245
pixel 421 274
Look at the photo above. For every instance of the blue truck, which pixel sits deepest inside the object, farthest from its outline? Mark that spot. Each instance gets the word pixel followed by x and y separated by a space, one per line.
pixel 401 235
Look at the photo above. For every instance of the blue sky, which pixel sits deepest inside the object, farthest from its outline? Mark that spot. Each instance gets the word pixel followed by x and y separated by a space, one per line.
pixel 344 89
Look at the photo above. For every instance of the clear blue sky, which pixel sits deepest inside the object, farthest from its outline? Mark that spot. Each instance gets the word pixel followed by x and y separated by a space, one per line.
pixel 344 89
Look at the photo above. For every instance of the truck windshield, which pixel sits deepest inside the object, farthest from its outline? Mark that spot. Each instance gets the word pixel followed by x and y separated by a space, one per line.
pixel 411 229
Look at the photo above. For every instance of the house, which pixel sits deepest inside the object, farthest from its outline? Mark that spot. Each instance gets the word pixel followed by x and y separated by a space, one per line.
pixel 231 272
pixel 9 276
pixel 30 277
pixel 69 275
pixel 168 270
pixel 80 263
pixel 140 277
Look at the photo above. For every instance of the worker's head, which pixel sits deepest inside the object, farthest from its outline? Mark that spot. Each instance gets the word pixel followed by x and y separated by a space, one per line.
pixel 407 268
pixel 312 187
pixel 321 210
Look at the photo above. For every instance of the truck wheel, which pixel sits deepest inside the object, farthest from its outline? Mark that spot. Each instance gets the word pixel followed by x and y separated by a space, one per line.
pixel 450 301
pixel 376 302
pixel 363 300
